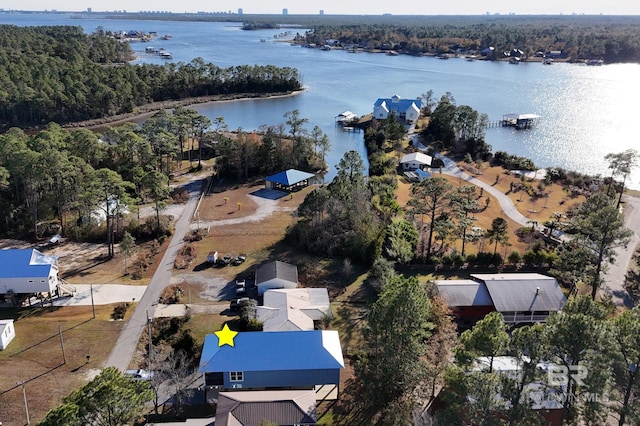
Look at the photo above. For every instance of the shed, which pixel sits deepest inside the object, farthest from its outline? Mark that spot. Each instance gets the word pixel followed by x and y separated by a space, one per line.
pixel 274 275
pixel 7 333
pixel 293 309
pixel 282 407
pixel 290 180
pixel 26 271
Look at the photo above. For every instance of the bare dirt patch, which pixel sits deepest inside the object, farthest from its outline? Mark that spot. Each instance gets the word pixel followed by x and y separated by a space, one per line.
pixel 35 356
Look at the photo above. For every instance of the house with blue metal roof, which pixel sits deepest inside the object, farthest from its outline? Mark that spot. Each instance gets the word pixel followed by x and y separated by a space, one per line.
pixel 405 110
pixel 27 271
pixel 272 360
pixel 289 180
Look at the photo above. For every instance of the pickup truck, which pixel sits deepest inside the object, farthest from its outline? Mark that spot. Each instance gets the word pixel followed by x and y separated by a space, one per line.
pixel 139 374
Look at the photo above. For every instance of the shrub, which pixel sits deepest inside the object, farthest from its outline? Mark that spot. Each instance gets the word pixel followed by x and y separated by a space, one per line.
pixel 515 257
pixel 180 195
pixel 119 311
pixel 185 256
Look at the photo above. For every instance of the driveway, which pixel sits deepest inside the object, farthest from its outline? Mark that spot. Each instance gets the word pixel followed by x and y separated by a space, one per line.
pixel 615 273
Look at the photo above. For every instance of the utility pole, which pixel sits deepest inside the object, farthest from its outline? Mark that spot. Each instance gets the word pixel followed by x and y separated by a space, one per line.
pixel 149 320
pixel 26 407
pixel 64 356
pixel 93 306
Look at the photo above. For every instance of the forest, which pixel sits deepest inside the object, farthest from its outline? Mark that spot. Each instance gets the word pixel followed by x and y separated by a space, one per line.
pixel 59 74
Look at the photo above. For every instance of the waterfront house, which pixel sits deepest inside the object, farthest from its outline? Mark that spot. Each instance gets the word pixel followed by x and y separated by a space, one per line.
pixel 276 274
pixel 415 161
pixel 7 333
pixel 27 271
pixel 278 360
pixel 405 110
pixel 293 309
pixel 520 297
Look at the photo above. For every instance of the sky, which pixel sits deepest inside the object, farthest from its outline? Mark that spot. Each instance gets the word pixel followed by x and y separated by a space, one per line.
pixel 338 7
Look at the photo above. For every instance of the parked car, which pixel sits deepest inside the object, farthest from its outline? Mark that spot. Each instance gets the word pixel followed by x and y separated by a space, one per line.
pixel 236 304
pixel 239 260
pixel 241 287
pixel 224 261
pixel 139 374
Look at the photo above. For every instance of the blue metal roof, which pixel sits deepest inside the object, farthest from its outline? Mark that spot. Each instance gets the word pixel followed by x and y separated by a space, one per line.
pixel 25 263
pixel 397 103
pixel 275 350
pixel 289 177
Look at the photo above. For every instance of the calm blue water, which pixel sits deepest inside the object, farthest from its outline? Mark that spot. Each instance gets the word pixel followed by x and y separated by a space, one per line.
pixel 586 112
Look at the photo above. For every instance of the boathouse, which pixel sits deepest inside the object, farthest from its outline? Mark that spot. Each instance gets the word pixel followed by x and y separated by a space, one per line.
pixel 289 180
pixel 519 121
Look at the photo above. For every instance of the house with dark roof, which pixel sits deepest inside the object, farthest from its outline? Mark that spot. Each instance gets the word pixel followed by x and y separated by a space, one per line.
pixel 293 309
pixel 405 110
pixel 289 180
pixel 278 360
pixel 519 297
pixel 27 271
pixel 276 274
pixel 282 407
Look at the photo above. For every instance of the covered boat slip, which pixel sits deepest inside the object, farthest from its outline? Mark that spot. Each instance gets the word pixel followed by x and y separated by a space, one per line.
pixel 519 121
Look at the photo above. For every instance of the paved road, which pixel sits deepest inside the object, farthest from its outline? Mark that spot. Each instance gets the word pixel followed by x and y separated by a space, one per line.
pixel 616 272
pixel 615 275
pixel 122 352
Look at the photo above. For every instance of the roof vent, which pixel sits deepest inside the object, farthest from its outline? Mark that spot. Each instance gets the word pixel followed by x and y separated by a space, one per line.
pixel 537 290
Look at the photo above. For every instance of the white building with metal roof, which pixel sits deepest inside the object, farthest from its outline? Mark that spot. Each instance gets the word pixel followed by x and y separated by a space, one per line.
pixel 293 309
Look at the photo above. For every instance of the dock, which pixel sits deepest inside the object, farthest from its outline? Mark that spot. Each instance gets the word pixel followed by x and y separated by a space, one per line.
pixel 519 121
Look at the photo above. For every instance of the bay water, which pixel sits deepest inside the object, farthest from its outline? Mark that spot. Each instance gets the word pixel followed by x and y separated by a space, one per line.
pixel 586 111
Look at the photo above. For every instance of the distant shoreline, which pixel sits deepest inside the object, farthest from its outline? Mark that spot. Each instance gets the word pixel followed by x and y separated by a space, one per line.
pixel 147 110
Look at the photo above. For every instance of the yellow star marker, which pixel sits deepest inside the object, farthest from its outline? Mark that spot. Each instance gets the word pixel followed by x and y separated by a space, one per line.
pixel 225 336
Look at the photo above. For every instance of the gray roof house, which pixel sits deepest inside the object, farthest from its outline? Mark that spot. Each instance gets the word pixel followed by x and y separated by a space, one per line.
pixel 519 297
pixel 274 275
pixel 293 309
pixel 407 110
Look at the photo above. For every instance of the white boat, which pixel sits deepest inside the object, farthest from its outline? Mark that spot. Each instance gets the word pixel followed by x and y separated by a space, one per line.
pixel 547 61
pixel 166 55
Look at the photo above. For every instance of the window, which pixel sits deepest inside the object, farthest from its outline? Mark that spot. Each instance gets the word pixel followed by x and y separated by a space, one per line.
pixel 236 376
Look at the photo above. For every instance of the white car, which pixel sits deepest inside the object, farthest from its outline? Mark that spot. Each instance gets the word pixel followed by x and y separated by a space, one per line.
pixel 139 374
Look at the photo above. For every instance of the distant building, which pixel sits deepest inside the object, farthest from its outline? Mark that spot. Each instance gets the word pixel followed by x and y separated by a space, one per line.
pixel 321 12
pixel 416 161
pixel 275 275
pixel 240 11
pixel 405 110
pixel 285 12
pixel 289 180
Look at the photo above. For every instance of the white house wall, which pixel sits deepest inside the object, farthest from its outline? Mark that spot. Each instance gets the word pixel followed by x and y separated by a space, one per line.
pixel 29 284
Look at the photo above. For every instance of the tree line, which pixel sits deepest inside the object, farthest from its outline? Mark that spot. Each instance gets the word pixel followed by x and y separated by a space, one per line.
pixel 60 74
pixel 613 39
